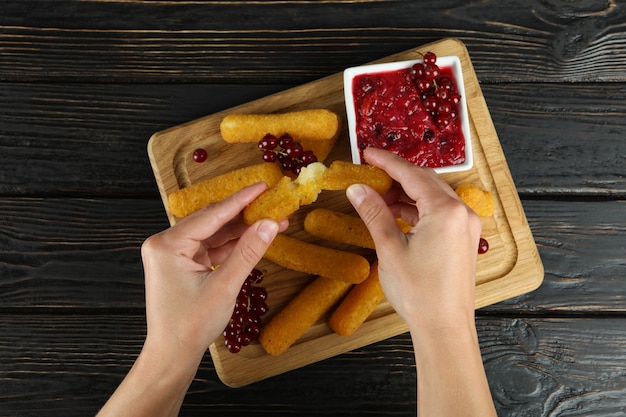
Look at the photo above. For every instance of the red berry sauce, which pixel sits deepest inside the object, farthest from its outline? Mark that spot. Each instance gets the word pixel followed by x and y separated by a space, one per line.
pixel 403 111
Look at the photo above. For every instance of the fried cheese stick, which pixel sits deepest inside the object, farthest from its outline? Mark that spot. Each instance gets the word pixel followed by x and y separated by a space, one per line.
pixel 187 200
pixel 286 196
pixel 343 228
pixel 479 200
pixel 298 255
pixel 307 307
pixel 340 175
pixel 303 125
pixel 357 306
pixel 338 227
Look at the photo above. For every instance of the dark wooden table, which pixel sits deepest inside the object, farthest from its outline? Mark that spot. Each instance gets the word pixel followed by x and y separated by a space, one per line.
pixel 84 84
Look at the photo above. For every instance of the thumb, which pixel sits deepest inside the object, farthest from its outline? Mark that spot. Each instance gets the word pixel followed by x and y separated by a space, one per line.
pixel 249 250
pixel 376 215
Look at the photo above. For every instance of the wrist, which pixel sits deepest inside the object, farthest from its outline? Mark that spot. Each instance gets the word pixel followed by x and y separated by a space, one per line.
pixel 428 336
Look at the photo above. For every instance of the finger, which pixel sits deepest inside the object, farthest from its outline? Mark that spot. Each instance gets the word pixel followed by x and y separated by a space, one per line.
pixel 231 230
pixel 377 217
pixel 407 212
pixel 420 184
pixel 247 253
pixel 202 224
pixel 211 255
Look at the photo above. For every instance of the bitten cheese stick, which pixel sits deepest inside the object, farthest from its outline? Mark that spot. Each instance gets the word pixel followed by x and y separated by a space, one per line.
pixel 297 255
pixel 340 175
pixel 358 305
pixel 314 124
pixel 187 200
pixel 338 227
pixel 286 196
pixel 278 202
pixel 286 327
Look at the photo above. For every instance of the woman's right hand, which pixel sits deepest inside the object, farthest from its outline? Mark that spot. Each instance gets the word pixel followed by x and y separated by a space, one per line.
pixel 428 274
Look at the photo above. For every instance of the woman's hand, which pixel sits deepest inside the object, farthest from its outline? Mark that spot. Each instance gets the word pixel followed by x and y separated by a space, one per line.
pixel 428 276
pixel 195 269
pixel 193 272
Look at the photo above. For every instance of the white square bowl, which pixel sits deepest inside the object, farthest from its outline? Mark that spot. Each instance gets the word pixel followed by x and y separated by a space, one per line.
pixel 451 62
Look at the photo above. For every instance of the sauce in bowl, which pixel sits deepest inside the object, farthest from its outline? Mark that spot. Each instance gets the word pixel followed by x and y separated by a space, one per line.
pixel 396 110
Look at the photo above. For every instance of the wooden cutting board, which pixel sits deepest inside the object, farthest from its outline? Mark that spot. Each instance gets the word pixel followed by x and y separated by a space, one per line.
pixel 511 266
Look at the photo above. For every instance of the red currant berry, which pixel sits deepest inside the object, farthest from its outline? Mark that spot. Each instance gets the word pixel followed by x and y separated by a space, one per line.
pixel 294 150
pixel 417 70
pixel 445 83
pixel 444 108
pixel 258 294
pixel 430 58
pixel 308 157
pixel 269 156
pixel 431 103
pixel 284 140
pixel 425 85
pixel 260 309
pixel 483 246
pixel 442 94
pixel 431 72
pixel 200 155
pixel 232 345
pixel 255 276
pixel 268 142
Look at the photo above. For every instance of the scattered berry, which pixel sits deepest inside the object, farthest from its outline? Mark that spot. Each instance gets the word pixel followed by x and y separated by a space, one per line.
pixel 200 155
pixel 245 323
pixel 287 152
pixel 483 246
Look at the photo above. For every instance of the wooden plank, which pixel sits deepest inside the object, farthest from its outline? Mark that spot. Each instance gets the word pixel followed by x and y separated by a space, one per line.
pixel 84 253
pixel 75 253
pixel 61 365
pixel 90 139
pixel 582 247
pixel 301 41
pixel 561 140
pixel 63 252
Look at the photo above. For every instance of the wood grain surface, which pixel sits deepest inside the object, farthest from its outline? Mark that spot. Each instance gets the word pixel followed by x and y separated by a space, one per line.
pixel 84 84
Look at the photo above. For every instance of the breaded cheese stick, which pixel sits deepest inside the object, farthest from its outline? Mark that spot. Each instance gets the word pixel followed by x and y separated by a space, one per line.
pixel 479 200
pixel 286 327
pixel 286 197
pixel 358 305
pixel 340 175
pixel 187 200
pixel 314 124
pixel 278 202
pixel 343 228
pixel 297 255
pixel 338 227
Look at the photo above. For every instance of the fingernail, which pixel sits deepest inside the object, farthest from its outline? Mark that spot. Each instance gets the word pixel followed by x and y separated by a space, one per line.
pixel 356 193
pixel 267 230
